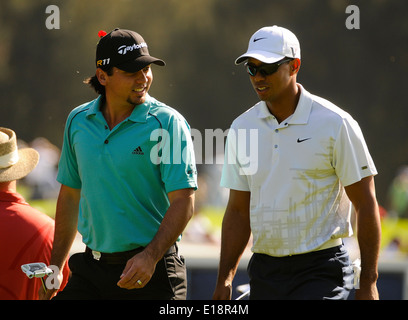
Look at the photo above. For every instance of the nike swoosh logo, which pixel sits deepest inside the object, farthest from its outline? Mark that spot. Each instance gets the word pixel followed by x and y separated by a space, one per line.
pixel 301 140
pixel 257 39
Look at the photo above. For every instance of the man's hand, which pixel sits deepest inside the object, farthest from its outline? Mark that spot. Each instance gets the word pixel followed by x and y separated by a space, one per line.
pixel 138 271
pixel 50 293
pixel 371 293
pixel 223 292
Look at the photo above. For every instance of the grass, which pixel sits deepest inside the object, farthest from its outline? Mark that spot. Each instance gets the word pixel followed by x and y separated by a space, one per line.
pixel 45 205
pixel 214 215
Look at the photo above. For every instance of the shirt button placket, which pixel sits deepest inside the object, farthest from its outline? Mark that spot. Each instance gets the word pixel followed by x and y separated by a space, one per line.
pixel 275 153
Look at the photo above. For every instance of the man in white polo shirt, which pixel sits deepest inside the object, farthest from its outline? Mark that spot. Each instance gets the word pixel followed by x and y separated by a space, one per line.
pixel 295 164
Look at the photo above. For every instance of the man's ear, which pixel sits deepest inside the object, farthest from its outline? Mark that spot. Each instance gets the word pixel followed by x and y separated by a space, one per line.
pixel 101 75
pixel 295 64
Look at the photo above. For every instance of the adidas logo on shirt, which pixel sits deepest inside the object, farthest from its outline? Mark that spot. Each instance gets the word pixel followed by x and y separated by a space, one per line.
pixel 138 150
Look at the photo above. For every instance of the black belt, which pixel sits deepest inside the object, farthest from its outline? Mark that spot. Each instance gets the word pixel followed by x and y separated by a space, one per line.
pixel 122 257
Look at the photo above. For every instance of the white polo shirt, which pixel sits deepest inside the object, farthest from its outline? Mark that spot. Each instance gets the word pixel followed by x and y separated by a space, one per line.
pixel 296 171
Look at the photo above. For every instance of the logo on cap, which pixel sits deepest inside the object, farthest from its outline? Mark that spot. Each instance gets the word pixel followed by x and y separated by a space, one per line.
pixel 125 49
pixel 257 39
pixel 102 62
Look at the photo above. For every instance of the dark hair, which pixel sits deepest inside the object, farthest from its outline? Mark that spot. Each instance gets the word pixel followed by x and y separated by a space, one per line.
pixel 94 83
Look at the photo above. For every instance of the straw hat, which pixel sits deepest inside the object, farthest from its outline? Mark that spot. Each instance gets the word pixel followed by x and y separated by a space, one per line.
pixel 15 164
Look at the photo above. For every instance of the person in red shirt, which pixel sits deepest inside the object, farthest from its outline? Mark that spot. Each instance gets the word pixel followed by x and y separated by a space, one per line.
pixel 26 234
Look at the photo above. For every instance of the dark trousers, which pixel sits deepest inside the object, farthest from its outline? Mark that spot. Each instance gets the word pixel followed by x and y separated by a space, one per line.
pixel 94 280
pixel 324 274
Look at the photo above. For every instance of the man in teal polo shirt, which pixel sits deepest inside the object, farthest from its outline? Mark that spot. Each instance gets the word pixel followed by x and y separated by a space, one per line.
pixel 128 167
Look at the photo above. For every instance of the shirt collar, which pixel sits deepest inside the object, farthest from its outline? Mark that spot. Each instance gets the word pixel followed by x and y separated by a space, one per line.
pixel 303 108
pixel 139 113
pixel 302 112
pixel 8 196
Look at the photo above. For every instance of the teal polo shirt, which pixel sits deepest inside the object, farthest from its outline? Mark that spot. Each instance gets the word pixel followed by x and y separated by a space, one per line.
pixel 125 173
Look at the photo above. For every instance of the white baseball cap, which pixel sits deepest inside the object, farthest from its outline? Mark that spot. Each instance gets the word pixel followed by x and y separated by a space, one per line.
pixel 271 44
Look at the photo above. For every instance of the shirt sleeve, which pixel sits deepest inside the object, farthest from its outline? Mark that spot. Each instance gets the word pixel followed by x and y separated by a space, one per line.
pixel 177 165
pixel 68 167
pixel 351 158
pixel 233 175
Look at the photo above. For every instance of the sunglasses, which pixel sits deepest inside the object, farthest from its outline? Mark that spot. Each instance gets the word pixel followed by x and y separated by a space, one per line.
pixel 265 69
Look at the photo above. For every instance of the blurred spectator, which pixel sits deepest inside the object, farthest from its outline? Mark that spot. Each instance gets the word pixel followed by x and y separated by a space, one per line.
pixel 42 179
pixel 26 234
pixel 398 194
pixel 216 196
pixel 200 228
